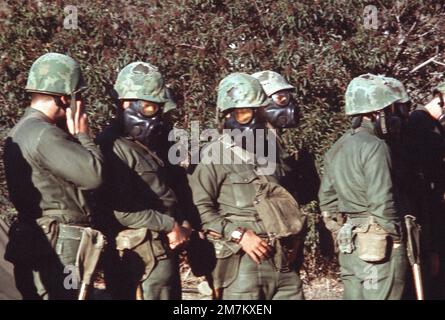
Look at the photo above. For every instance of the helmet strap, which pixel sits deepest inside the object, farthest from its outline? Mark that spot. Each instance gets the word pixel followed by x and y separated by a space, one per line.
pixel 356 122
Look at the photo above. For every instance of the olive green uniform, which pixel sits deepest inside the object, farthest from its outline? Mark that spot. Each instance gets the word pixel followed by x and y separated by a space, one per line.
pixel 135 196
pixel 224 195
pixel 357 182
pixel 48 173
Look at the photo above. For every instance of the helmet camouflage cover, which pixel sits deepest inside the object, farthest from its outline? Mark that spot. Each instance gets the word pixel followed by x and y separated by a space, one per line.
pixel 240 90
pixel 272 82
pixel 369 93
pixel 54 73
pixel 142 81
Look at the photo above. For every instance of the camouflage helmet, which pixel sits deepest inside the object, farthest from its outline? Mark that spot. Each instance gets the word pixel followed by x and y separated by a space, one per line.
pixel 240 90
pixel 272 82
pixel 369 93
pixel 55 73
pixel 440 88
pixel 142 81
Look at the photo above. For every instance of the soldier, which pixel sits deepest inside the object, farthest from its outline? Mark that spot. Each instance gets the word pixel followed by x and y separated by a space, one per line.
pixel 358 184
pixel 302 179
pixel 50 164
pixel 140 207
pixel 254 261
pixel 424 151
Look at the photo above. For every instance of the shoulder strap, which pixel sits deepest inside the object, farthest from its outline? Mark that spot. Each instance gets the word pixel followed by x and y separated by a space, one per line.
pixel 151 153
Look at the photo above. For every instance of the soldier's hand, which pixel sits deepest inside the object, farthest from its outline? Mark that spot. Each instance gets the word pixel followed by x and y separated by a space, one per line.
pixel 83 124
pixel 254 246
pixel 188 229
pixel 79 122
pixel 178 236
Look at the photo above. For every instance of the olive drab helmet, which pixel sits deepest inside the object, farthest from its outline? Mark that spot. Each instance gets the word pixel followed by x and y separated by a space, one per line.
pixel 282 112
pixel 55 73
pixel 272 82
pixel 143 81
pixel 369 93
pixel 240 90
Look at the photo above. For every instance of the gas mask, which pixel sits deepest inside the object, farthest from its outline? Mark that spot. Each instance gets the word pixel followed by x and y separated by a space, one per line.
pixel 248 121
pixel 143 121
pixel 389 122
pixel 282 111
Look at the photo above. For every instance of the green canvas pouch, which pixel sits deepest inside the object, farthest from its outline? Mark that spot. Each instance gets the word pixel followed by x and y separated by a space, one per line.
pixel 372 242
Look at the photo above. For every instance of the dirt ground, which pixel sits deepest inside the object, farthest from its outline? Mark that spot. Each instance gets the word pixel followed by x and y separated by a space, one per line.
pixel 323 288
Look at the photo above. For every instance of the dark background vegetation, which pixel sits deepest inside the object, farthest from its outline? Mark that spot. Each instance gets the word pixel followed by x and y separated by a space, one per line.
pixel 319 46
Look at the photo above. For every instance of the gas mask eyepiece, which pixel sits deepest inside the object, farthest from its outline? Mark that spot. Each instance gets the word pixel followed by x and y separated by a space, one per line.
pixel 282 111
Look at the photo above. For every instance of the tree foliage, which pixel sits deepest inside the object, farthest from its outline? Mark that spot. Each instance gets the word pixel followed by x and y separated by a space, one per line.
pixel 319 46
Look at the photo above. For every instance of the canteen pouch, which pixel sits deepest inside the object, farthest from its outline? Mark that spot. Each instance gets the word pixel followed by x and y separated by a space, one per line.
pixel 372 242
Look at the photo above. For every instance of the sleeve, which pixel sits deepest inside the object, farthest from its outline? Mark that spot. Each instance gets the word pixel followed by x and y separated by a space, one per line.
pixel 153 187
pixel 205 183
pixel 327 195
pixel 380 191
pixel 145 218
pixel 149 202
pixel 80 163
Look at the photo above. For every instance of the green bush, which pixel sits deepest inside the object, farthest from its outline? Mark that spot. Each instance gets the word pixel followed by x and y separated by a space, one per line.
pixel 319 46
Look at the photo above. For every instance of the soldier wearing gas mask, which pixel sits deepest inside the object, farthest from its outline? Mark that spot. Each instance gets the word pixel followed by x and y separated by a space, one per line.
pixel 424 151
pixel 139 209
pixel 243 209
pixel 282 112
pixel 358 183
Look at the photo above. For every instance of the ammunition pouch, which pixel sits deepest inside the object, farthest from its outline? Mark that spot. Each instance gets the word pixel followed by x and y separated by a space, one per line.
pixel 278 210
pixel 150 246
pixel 228 257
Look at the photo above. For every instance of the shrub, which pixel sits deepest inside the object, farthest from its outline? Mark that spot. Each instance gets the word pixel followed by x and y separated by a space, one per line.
pixel 319 46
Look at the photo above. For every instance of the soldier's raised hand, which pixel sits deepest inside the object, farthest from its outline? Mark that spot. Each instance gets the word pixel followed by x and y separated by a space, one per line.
pixel 79 122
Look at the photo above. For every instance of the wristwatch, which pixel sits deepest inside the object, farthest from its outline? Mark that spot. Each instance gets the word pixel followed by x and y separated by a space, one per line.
pixel 237 234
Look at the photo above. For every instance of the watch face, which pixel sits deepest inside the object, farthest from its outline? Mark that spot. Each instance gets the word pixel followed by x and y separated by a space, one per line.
pixel 236 234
